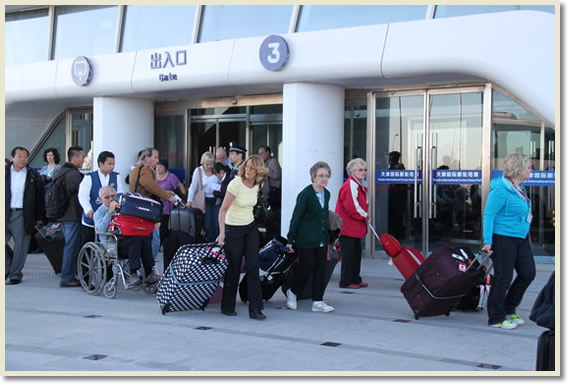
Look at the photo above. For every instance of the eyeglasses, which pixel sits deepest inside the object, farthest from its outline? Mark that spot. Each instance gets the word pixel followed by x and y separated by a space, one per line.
pixel 323 176
pixel 362 170
pixel 109 197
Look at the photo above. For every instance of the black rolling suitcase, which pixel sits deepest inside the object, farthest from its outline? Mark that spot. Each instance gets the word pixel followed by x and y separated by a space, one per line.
pixel 51 241
pixel 192 278
pixel 439 283
pixel 189 220
pixel 274 262
pixel 545 351
pixel 330 267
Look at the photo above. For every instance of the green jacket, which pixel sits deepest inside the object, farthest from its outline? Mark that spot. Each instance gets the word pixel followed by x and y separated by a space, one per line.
pixel 308 226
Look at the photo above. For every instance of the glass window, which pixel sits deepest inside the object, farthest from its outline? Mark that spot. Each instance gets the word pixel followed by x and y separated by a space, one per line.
pixel 222 22
pixel 82 134
pixel 355 134
pixel 55 139
pixel 153 26
pixel 84 30
pixel 517 130
pixel 169 139
pixel 27 36
pixel 318 17
pixel 464 10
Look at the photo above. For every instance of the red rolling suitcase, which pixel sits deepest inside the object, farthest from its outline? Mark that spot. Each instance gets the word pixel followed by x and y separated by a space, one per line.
pixel 439 283
pixel 135 204
pixel 128 225
pixel 405 259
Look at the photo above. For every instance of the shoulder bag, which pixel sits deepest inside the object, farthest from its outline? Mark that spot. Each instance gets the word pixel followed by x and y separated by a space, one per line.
pixel 199 199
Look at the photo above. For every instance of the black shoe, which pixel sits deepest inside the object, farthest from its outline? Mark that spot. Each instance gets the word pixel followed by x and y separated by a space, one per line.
pixel 71 283
pixel 257 315
pixel 228 312
pixel 13 282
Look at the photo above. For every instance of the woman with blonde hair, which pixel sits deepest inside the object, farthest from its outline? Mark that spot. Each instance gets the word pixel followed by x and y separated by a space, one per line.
pixel 239 234
pixel 352 206
pixel 199 182
pixel 506 224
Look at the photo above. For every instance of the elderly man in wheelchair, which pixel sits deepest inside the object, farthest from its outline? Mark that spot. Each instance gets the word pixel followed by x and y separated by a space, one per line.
pixel 95 259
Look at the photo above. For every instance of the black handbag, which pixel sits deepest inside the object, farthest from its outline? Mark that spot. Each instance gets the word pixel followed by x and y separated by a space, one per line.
pixel 260 211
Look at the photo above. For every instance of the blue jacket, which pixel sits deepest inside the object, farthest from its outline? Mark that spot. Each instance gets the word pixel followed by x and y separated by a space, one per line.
pixel 505 212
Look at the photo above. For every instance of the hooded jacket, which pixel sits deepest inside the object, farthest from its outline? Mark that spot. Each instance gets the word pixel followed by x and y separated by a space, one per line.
pixel 505 212
pixel 352 206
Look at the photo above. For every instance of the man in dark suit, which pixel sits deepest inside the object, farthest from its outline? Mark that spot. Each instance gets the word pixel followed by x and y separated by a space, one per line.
pixel 24 209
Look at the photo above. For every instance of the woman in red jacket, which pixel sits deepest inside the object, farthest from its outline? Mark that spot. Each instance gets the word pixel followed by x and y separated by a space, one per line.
pixel 352 206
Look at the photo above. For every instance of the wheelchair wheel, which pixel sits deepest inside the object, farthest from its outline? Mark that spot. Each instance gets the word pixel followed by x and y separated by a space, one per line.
pixel 91 267
pixel 110 289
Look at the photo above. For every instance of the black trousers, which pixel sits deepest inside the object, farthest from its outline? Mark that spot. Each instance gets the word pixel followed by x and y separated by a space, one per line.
pixel 87 234
pixel 350 261
pixel 137 248
pixel 312 263
pixel 509 254
pixel 239 241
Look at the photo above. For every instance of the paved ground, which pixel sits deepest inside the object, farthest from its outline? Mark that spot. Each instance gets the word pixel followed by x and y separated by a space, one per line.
pixel 372 331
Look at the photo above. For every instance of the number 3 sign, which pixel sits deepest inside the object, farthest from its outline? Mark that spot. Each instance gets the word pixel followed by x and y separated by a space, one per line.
pixel 274 53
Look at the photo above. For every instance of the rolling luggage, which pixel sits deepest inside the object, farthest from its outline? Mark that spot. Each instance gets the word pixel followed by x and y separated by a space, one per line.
pixel 135 204
pixel 274 262
pixel 188 220
pixel 330 267
pixel 128 225
pixel 545 351
pixel 405 259
pixel 439 283
pixel 51 241
pixel 192 278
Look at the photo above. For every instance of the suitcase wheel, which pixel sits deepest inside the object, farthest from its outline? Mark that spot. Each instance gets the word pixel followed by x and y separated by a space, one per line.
pixel 417 313
pixel 165 308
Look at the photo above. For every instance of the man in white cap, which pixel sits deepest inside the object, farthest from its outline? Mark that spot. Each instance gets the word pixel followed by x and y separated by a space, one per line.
pixel 236 157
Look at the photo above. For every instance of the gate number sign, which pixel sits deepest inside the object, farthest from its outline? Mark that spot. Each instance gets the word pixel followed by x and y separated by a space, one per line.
pixel 274 53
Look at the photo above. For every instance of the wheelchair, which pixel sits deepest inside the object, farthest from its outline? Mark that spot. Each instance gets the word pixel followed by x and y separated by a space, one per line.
pixel 97 261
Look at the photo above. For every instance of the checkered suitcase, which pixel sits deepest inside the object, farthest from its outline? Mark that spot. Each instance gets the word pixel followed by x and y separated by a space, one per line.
pixel 191 278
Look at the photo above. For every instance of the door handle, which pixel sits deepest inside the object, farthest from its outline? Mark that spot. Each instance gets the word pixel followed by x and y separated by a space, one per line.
pixel 433 165
pixel 417 156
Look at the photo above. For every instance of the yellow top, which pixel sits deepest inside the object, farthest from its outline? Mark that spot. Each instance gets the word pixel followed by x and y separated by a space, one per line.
pixel 240 211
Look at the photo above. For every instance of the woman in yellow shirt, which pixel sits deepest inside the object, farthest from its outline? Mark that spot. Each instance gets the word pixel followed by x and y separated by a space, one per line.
pixel 240 232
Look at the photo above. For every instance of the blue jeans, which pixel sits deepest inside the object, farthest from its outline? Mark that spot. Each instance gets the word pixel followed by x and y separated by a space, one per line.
pixel 211 219
pixel 155 243
pixel 72 234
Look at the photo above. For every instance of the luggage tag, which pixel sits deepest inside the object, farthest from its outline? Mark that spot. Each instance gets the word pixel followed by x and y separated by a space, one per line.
pixel 462 267
pixel 529 218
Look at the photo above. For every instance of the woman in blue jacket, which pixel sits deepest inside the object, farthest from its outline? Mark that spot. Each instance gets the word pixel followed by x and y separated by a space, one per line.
pixel 506 223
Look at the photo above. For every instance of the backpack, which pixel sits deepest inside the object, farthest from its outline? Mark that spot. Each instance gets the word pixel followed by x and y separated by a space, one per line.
pixel 56 200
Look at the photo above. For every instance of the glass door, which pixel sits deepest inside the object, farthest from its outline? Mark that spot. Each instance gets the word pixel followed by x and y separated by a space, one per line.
pixel 428 167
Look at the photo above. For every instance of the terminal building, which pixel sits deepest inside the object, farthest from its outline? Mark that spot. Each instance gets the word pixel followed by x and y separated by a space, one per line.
pixel 447 90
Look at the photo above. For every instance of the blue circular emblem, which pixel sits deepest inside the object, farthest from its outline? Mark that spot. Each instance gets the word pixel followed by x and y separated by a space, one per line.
pixel 81 71
pixel 274 53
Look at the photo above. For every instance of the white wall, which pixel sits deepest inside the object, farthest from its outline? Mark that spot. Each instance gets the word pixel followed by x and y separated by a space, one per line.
pixel 123 126
pixel 312 130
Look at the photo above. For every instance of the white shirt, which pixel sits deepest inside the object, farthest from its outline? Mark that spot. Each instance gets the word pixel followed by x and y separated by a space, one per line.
pixel 194 186
pixel 85 191
pixel 17 186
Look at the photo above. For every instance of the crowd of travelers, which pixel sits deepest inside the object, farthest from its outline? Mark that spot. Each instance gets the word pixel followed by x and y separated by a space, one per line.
pixel 228 185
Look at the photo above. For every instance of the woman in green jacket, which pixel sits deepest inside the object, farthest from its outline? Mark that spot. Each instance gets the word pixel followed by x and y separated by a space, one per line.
pixel 309 237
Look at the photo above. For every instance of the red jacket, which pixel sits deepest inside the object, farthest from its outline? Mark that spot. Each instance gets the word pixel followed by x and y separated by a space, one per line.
pixel 352 206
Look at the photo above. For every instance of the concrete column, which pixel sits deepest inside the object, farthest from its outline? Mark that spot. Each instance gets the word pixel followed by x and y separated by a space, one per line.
pixel 312 130
pixel 123 126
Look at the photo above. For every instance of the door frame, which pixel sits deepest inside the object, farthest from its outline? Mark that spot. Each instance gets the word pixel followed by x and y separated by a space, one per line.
pixel 486 142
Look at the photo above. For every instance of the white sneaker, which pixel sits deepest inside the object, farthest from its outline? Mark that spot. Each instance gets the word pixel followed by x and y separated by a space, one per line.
pixel 291 303
pixel 505 324
pixel 321 306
